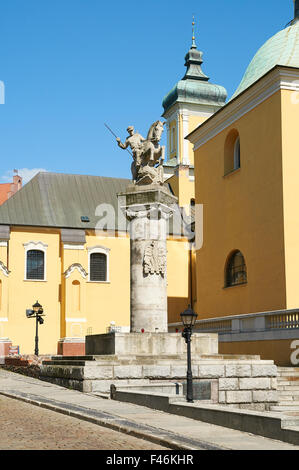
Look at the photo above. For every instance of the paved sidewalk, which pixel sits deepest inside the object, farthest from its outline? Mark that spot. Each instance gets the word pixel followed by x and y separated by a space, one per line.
pixel 174 432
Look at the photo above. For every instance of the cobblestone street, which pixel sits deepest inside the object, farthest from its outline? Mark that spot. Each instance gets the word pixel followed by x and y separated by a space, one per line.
pixel 28 427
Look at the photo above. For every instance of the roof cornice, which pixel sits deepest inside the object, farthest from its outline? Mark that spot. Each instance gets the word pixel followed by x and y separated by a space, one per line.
pixel 278 78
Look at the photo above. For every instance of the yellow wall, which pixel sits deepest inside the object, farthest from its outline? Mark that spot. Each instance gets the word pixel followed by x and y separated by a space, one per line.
pixel 73 305
pixel 23 294
pixel 178 278
pixel 279 351
pixel 182 187
pixel 194 122
pixel 243 211
pixel 290 159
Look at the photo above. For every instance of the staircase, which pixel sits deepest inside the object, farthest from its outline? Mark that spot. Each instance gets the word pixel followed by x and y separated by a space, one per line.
pixel 288 391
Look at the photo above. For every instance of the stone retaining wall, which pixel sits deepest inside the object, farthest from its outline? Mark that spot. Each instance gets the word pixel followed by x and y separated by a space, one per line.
pixel 243 383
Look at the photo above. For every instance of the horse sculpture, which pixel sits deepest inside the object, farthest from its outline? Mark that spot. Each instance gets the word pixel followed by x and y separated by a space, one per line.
pixel 152 157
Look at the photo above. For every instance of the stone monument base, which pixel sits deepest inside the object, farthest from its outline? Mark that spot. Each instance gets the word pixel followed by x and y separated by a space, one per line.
pixel 149 344
pixel 148 359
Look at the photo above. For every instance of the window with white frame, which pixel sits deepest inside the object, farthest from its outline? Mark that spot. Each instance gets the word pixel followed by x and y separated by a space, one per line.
pixel 35 261
pixel 98 264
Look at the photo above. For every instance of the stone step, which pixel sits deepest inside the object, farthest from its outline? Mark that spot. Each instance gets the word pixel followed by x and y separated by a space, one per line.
pixel 287 398
pixel 289 403
pixel 73 358
pixel 283 369
pixel 291 422
pixel 288 380
pixel 288 388
pixel 286 393
pixel 287 374
pixel 64 363
pixel 283 408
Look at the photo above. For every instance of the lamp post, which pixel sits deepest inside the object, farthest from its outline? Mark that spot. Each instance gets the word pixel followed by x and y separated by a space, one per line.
pixel 188 319
pixel 37 312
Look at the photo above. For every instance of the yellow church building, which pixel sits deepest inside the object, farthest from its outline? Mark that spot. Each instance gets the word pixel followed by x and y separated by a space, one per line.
pixel 246 177
pixel 58 246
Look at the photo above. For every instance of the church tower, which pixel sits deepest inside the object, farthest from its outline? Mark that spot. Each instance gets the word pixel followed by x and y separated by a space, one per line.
pixel 190 102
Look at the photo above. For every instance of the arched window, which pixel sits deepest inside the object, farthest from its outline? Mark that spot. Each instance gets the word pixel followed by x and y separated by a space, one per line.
pixel 35 266
pixel 236 272
pixel 98 264
pixel 98 267
pixel 237 156
pixel 172 139
pixel 232 152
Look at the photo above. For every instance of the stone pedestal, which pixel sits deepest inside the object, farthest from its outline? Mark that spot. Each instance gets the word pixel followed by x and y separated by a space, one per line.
pixel 148 209
pixel 150 344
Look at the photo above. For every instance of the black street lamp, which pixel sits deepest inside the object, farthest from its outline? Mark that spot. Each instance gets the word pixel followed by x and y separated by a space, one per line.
pixel 188 319
pixel 37 312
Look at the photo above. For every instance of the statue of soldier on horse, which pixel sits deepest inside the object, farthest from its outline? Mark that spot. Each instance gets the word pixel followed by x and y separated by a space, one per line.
pixel 148 154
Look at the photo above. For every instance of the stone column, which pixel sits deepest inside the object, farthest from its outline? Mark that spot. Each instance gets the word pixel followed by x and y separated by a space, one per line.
pixel 148 208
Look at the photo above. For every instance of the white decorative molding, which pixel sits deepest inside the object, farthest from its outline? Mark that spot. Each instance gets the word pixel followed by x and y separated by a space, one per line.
pixel 4 269
pixel 279 78
pixel 73 246
pixel 3 319
pixel 4 244
pixel 72 268
pixel 35 246
pixel 98 249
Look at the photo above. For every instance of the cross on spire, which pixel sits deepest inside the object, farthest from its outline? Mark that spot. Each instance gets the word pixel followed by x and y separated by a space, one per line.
pixel 193 34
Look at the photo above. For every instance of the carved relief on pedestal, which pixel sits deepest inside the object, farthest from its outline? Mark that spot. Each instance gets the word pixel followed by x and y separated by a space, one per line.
pixel 154 259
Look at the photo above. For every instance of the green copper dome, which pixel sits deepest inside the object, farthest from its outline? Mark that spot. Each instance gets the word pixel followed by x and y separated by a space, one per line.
pixel 282 49
pixel 195 87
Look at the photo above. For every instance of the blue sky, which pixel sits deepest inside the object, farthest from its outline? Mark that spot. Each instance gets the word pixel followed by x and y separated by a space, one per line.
pixel 70 65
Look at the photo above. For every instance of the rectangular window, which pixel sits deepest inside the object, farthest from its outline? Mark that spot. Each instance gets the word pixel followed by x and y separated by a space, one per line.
pixel 98 267
pixel 35 268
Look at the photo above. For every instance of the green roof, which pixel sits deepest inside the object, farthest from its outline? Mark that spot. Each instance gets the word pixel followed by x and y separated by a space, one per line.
pixel 195 87
pixel 60 200
pixel 281 49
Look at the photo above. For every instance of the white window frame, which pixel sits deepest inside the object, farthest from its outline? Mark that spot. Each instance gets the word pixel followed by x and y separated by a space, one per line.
pixel 40 246
pixel 106 251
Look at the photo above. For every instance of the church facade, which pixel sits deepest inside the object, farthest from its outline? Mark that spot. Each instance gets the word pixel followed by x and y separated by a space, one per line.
pixel 246 179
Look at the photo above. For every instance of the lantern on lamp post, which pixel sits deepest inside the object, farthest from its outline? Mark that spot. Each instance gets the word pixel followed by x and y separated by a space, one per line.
pixel 188 319
pixel 36 312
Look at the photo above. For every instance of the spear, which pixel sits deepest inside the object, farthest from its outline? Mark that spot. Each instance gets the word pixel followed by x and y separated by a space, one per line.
pixel 109 129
